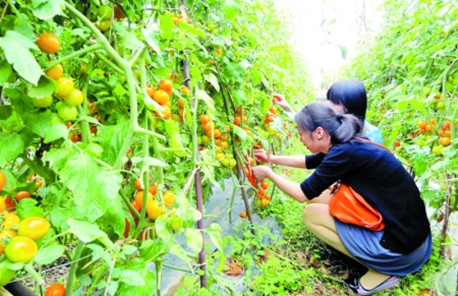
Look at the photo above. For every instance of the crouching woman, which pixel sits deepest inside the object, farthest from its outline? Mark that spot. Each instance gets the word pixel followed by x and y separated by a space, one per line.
pixel 340 154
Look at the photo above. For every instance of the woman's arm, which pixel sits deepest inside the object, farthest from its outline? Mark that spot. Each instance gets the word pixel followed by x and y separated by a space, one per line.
pixel 296 161
pixel 289 187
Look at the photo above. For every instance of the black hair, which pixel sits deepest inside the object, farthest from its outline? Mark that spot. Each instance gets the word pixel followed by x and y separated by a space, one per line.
pixel 351 94
pixel 341 127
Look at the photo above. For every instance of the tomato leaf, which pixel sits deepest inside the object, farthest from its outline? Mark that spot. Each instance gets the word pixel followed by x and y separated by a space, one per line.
pixel 194 239
pixel 49 254
pixel 131 277
pixel 213 80
pixel 111 140
pixel 45 87
pixel 5 72
pixel 46 9
pixel 151 36
pixel 17 52
pixel 11 145
pixel 152 250
pixel 174 138
pixel 40 123
pixel 88 232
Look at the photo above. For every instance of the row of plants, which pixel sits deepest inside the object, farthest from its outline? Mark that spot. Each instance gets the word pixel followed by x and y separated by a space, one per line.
pixel 411 73
pixel 117 120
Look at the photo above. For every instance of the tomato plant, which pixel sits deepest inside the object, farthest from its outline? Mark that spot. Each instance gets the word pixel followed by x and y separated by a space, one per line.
pixel 109 113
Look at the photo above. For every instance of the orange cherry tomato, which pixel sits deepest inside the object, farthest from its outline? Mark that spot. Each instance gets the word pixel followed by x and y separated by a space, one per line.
pixel 55 289
pixel 167 86
pixel 48 43
pixel 21 195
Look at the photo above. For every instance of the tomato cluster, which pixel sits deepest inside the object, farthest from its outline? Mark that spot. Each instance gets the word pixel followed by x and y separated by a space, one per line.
pixel 427 132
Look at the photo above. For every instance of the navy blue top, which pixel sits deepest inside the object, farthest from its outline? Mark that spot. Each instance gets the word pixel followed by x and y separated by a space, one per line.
pixel 384 183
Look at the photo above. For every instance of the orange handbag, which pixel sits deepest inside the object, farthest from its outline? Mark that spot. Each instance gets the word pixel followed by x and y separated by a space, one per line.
pixel 349 206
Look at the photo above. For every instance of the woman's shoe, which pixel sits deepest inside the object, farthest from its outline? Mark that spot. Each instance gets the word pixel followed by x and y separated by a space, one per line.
pixel 389 283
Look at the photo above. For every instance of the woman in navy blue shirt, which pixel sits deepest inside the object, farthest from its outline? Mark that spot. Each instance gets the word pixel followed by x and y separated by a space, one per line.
pixel 339 154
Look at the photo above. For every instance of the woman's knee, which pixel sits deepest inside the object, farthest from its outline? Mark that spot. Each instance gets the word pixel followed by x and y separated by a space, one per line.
pixel 309 215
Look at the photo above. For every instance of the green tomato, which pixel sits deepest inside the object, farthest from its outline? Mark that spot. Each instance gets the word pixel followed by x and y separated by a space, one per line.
pixel 176 223
pixel 440 105
pixel 232 163
pixel 43 102
pixel 64 87
pixel 21 249
pixel 6 274
pixel 437 150
pixel 225 161
pixel 104 25
pixel 105 12
pixel 66 112
pixel 75 98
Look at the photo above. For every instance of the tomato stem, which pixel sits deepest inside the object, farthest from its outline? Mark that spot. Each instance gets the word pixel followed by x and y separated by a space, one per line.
pixel 73 55
pixel 36 276
pixel 73 267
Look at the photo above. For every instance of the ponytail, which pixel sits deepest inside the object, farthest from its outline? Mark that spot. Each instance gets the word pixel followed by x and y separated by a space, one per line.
pixel 341 127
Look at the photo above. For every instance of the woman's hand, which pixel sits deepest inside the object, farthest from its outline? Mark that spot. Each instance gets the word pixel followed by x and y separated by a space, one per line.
pixel 282 103
pixel 261 172
pixel 262 156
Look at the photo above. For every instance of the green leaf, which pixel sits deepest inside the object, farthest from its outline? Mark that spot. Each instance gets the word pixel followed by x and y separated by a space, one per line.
pixel 151 161
pixel 46 9
pixel 27 207
pixel 41 124
pixel 88 232
pixel 131 277
pixel 152 36
pixel 213 80
pixel 49 254
pixel 11 145
pixel 152 250
pixel 210 104
pixel 5 111
pixel 111 140
pixel 230 9
pixel 5 72
pixel 194 239
pixel 44 88
pixel 174 138
pixel 17 52
pixel 187 28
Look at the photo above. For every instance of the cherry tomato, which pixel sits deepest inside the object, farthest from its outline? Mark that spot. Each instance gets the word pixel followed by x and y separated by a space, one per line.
pixel 169 199
pixel 66 112
pixel 76 97
pixel 4 236
pixel 55 72
pixel 139 198
pixel 21 195
pixel 176 223
pixel 55 289
pixel 33 227
pixel 48 43
pixel 10 220
pixel 161 97
pixel 154 210
pixel 43 102
pixel 105 12
pixel 2 180
pixel 21 249
pixel 104 25
pixel 64 87
pixel 166 85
